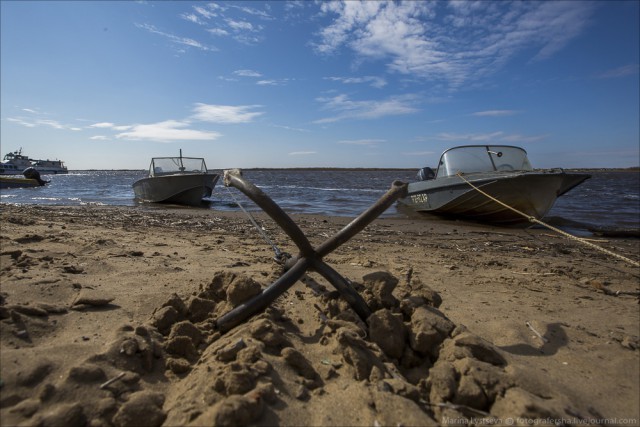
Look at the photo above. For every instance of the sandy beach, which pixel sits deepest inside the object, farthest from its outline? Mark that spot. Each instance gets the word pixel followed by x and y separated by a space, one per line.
pixel 107 318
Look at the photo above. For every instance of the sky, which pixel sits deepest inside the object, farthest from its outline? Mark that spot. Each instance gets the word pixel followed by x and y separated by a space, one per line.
pixel 111 84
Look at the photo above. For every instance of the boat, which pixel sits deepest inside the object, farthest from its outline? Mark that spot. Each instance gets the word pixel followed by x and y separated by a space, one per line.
pixel 17 182
pixel 15 162
pixel 31 179
pixel 505 176
pixel 179 180
pixel 50 167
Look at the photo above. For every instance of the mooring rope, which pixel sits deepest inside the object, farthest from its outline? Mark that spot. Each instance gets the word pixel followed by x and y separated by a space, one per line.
pixel 280 256
pixel 550 227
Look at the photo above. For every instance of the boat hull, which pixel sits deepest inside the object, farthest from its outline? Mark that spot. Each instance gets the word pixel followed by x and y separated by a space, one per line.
pixel 532 193
pixel 51 171
pixel 7 169
pixel 15 182
pixel 182 189
pixel 42 172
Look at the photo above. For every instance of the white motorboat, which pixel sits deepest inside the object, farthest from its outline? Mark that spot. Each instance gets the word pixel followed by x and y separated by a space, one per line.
pixel 502 172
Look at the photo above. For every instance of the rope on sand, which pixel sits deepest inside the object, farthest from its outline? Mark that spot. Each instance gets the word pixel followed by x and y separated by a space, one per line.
pixel 550 227
pixel 280 256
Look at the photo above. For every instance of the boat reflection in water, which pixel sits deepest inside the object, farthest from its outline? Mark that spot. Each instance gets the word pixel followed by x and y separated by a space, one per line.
pixel 501 171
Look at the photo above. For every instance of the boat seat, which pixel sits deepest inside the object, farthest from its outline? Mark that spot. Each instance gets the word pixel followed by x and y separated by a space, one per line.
pixel 426 173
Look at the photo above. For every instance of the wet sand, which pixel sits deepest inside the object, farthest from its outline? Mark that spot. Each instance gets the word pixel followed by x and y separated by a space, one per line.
pixel 107 318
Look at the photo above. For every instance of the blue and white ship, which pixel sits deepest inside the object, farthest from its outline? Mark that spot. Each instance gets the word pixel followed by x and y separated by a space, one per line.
pixel 15 163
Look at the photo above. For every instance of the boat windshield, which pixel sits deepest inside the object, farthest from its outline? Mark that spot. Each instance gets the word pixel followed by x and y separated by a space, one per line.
pixel 482 158
pixel 173 165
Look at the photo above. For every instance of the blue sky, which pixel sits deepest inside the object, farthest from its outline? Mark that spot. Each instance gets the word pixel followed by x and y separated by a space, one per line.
pixel 108 85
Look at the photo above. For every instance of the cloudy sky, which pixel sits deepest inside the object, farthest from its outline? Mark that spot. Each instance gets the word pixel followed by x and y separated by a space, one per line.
pixel 108 85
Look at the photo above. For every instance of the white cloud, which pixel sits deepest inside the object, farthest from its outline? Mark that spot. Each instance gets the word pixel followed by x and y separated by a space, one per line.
pixel 183 41
pixel 262 82
pixel 454 42
pixel 273 82
pixel 627 70
pixel 99 138
pixel 31 123
pixel 554 24
pixel 253 11
pixel 52 123
pixel 495 113
pixel 192 17
pixel 21 122
pixel 294 4
pixel 240 25
pixel 497 136
pixel 207 12
pixel 377 82
pixel 169 130
pixel 108 125
pixel 290 128
pixel 102 125
pixel 179 130
pixel 247 73
pixel 225 113
pixel 302 153
pixel 352 16
pixel 348 109
pixel 231 20
pixel 218 31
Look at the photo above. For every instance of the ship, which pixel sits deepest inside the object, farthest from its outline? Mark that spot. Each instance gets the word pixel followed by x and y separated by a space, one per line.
pixel 15 163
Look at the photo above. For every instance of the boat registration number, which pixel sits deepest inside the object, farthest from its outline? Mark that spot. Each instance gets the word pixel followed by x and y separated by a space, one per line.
pixel 419 198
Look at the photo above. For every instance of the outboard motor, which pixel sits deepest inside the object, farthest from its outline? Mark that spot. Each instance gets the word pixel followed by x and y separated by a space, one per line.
pixel 32 173
pixel 426 173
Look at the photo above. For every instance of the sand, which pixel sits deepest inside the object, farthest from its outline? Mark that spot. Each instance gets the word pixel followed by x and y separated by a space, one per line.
pixel 107 318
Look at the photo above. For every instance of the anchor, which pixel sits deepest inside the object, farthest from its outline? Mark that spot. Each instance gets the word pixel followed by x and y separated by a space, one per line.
pixel 308 257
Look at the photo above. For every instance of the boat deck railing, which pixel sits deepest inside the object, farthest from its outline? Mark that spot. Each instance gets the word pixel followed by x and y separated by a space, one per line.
pixel 177 165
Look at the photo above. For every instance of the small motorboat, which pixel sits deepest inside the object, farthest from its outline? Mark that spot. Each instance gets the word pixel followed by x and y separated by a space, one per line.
pixel 502 172
pixel 179 180
pixel 17 182
pixel 31 179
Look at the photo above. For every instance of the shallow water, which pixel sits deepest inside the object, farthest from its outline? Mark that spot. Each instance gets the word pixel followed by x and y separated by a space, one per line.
pixel 607 200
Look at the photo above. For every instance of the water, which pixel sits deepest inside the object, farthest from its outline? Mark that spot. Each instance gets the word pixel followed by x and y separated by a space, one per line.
pixel 607 200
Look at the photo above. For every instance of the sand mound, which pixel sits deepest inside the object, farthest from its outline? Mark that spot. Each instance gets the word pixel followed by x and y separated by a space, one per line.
pixel 410 366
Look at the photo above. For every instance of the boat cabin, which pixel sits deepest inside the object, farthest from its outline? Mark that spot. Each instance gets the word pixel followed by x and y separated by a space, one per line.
pixel 176 165
pixel 478 158
pixel 45 164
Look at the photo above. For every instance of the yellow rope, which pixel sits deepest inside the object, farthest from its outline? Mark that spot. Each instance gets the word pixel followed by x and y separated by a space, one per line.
pixel 564 233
